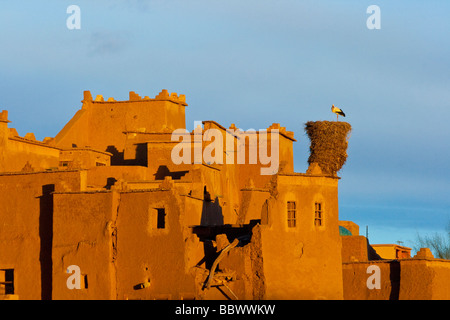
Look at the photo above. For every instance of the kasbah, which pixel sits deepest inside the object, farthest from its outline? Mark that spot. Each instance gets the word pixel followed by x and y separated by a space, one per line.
pixel 101 211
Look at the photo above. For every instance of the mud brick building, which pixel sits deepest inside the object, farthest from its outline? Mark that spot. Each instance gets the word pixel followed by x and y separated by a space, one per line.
pixel 105 195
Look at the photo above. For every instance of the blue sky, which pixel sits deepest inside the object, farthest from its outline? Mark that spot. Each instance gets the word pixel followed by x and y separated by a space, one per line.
pixel 253 63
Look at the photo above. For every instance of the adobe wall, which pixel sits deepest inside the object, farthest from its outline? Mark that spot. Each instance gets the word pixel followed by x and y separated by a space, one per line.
pixel 254 172
pixel 214 189
pixel 163 257
pixel 354 248
pixel 24 153
pixel 107 176
pixel 84 231
pixel 355 280
pixel 19 151
pixel 114 238
pixel 102 124
pixel 26 228
pixel 75 133
pixel 83 158
pixel 4 134
pixel 241 269
pixel 424 279
pixel 254 205
pixel 193 208
pixel 296 252
pixel 234 148
pixel 404 279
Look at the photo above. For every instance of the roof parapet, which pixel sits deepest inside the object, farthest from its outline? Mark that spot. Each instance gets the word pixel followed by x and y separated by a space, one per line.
pixel 30 136
pixel 282 130
pixel 13 132
pixel 164 95
pixel 87 96
pixel 134 96
pixel 4 116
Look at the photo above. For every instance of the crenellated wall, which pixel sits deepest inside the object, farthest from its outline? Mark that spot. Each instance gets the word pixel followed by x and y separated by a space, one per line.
pixel 24 153
pixel 102 124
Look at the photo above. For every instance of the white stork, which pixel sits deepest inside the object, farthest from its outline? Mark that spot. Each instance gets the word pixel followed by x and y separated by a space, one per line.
pixel 338 112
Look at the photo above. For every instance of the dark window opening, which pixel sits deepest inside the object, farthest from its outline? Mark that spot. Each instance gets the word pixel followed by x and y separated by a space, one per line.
pixel 85 281
pixel 161 218
pixel 6 281
pixel 64 163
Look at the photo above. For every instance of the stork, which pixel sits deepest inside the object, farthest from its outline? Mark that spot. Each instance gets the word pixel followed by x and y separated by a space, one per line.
pixel 337 111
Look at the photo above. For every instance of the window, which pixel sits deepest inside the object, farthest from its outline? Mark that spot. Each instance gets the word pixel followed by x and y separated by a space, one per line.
pixel 291 214
pixel 85 280
pixel 318 214
pixel 6 281
pixel 157 220
pixel 161 218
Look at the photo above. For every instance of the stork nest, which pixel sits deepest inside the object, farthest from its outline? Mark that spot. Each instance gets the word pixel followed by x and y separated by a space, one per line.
pixel 329 143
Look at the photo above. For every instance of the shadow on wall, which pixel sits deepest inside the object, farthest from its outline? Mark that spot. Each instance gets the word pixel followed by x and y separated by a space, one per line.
pixel 140 159
pixel 394 277
pixel 211 211
pixel 371 253
pixel 211 219
pixel 163 172
pixel 394 271
pixel 46 237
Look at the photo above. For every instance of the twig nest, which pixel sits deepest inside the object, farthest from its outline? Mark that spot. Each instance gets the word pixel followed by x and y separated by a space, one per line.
pixel 329 141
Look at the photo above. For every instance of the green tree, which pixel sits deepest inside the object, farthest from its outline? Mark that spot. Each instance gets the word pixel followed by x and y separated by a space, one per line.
pixel 438 243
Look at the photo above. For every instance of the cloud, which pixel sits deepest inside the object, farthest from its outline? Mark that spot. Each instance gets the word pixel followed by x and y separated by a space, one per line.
pixel 106 42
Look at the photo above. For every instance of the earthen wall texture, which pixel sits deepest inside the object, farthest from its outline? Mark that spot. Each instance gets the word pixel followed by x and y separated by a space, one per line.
pixel 296 252
pixel 26 229
pixel 404 279
pixel 102 125
pixel 84 231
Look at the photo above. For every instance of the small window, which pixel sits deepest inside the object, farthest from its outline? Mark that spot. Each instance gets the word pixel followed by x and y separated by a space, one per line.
pixel 291 214
pixel 64 163
pixel 161 218
pixel 85 280
pixel 157 220
pixel 318 214
pixel 6 281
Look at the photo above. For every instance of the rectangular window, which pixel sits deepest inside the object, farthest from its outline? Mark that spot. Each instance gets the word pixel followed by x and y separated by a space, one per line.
pixel 161 218
pixel 291 214
pixel 6 281
pixel 85 280
pixel 64 163
pixel 318 215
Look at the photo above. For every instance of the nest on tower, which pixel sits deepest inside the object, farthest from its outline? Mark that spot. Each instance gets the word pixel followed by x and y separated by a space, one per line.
pixel 329 141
